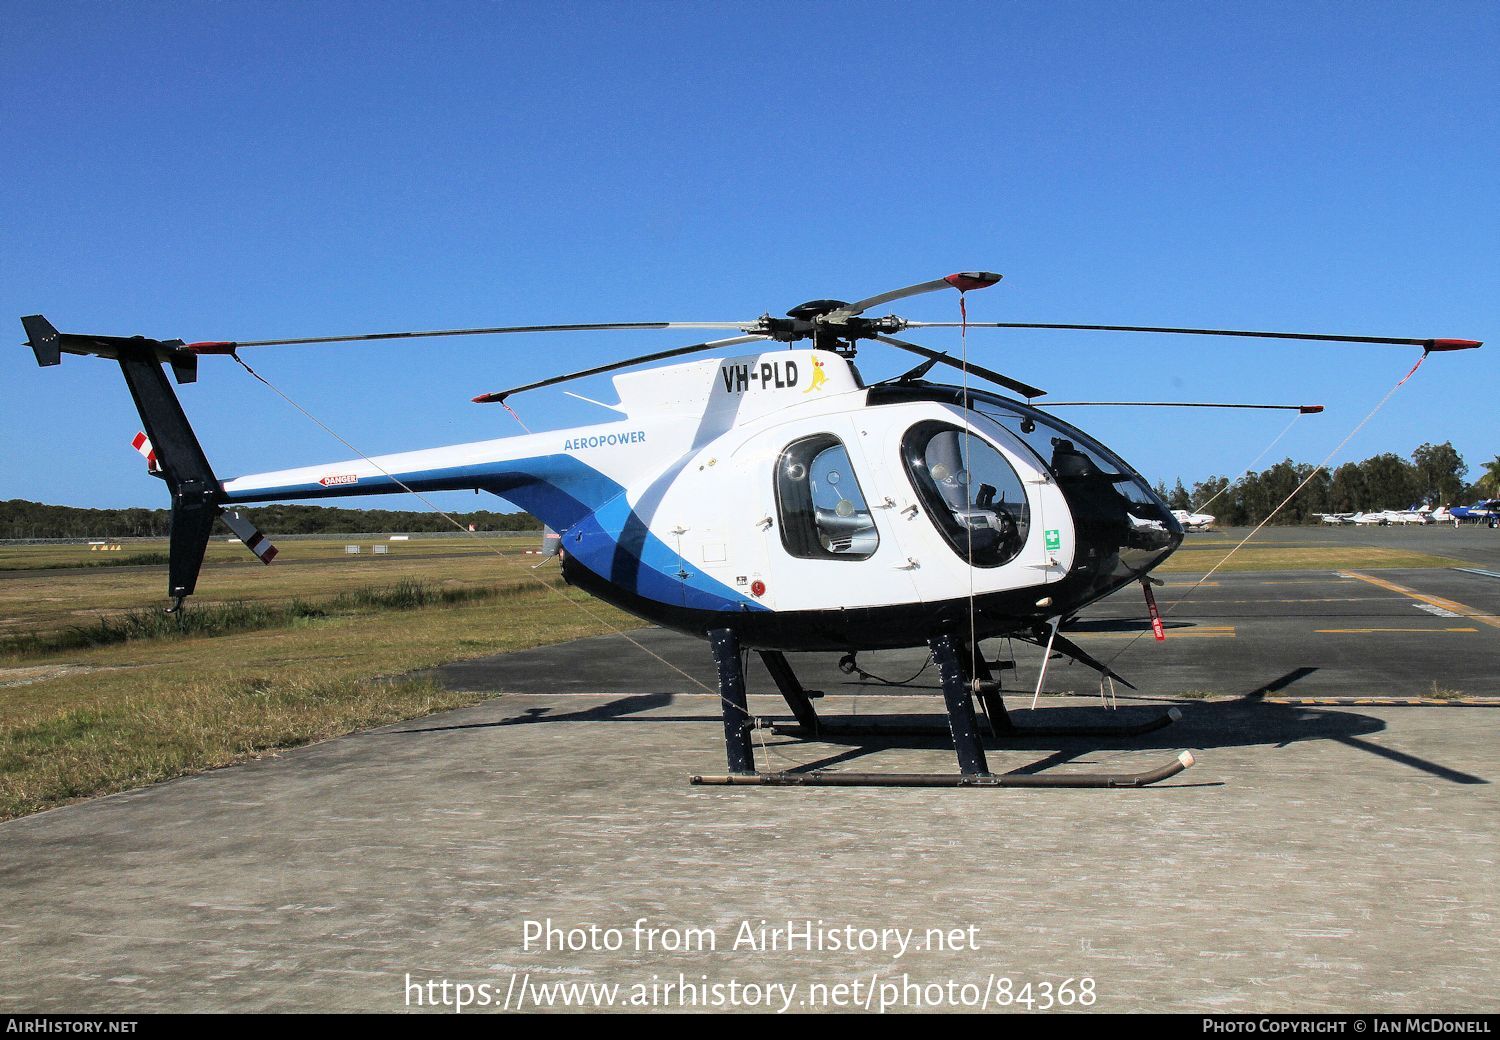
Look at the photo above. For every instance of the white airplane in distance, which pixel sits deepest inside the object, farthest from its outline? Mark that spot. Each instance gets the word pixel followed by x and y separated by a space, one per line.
pixel 1384 517
pixel 1413 514
pixel 1193 521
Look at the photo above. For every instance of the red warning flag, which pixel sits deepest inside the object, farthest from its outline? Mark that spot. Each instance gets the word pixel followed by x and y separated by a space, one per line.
pixel 142 444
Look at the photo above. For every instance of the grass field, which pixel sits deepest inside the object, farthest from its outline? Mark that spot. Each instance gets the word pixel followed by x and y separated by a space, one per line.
pixel 229 551
pixel 274 657
pixel 1198 555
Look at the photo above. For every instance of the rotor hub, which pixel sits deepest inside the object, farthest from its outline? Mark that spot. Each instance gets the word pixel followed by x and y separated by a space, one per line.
pixel 827 323
pixel 812 310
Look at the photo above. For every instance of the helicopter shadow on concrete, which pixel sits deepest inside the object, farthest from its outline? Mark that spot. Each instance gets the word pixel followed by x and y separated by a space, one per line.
pixel 623 709
pixel 1111 625
pixel 1246 721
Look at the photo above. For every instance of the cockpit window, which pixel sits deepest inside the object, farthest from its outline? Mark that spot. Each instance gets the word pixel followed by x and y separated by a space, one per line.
pixel 972 493
pixel 823 511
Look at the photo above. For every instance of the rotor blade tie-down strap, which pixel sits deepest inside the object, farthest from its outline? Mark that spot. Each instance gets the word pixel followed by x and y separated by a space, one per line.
pixel 513 414
pixel 1157 628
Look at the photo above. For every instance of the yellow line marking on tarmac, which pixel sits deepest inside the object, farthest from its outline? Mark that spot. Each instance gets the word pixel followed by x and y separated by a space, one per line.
pixel 1366 631
pixel 1432 702
pixel 1189 585
pixel 1209 632
pixel 1304 581
pixel 1434 601
pixel 1300 599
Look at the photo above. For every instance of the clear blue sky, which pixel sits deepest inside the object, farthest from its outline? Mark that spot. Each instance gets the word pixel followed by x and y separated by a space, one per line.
pixel 251 170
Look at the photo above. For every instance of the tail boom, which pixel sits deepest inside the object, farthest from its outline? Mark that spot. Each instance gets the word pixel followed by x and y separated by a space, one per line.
pixel 556 487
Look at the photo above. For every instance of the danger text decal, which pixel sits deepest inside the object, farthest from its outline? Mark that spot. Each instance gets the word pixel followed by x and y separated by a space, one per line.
pixel 342 478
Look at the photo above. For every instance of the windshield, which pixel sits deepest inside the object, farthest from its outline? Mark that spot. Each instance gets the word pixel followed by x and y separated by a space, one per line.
pixel 1070 454
pixel 1112 503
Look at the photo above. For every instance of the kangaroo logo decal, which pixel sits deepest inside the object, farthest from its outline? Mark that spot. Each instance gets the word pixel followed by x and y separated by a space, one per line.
pixel 819 377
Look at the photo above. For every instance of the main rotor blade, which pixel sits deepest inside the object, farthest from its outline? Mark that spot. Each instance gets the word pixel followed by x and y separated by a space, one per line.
pixel 1024 389
pixel 500 395
pixel 1305 409
pixel 1425 344
pixel 963 281
pixel 225 346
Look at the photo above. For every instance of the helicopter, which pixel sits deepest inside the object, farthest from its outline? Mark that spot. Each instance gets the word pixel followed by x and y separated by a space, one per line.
pixel 771 501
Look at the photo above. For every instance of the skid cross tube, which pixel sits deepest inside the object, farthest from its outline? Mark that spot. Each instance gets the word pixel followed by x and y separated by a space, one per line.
pixel 958 697
pixel 798 698
pixel 737 720
pixel 988 690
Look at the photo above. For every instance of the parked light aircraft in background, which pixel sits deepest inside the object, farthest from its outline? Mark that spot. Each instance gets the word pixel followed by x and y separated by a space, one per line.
pixel 1480 512
pixel 1193 521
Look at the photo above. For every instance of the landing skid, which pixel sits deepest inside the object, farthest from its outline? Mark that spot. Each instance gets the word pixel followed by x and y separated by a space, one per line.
pixel 959 690
pixel 835 730
pixel 824 778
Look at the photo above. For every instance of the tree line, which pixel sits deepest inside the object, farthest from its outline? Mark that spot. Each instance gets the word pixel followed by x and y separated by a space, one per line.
pixel 22 519
pixel 1435 474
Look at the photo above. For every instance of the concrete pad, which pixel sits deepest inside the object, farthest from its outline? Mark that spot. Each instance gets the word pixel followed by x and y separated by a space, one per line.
pixel 1317 860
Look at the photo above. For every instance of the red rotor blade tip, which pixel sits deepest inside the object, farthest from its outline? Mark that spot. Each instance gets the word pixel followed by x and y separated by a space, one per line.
pixel 212 347
pixel 1454 344
pixel 963 281
pixel 1310 409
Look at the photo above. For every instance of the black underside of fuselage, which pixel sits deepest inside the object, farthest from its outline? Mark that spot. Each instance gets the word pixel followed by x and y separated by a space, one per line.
pixel 843 629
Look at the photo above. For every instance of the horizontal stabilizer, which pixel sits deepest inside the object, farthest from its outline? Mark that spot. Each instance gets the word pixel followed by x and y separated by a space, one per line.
pixel 49 345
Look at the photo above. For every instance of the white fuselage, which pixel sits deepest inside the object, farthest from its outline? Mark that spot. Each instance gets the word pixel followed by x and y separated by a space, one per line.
pixel 685 504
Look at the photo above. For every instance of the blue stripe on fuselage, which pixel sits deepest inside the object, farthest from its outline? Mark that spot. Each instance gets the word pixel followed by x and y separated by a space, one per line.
pixel 616 544
pixel 590 510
